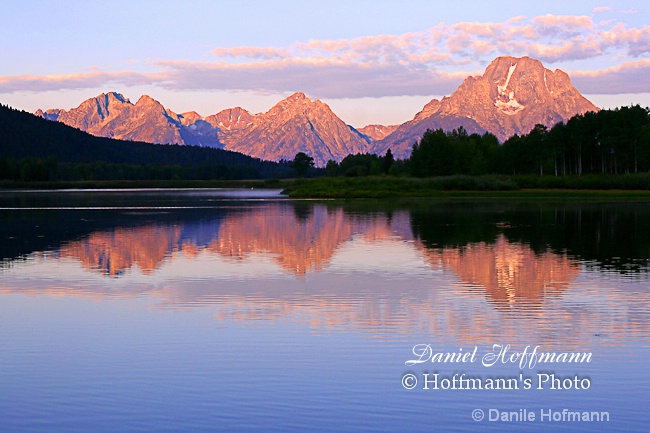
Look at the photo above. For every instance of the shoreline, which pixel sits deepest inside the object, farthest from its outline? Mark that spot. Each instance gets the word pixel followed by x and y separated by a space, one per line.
pixel 142 184
pixel 479 187
pixel 452 187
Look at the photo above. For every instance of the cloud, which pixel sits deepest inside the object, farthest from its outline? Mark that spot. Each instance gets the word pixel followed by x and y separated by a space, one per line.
pixel 563 23
pixel 636 41
pixel 628 77
pixel 42 83
pixel 251 52
pixel 429 62
pixel 602 9
pixel 550 38
pixel 319 77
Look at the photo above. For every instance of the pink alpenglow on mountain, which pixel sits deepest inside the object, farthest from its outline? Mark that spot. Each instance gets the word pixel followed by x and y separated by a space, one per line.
pixel 114 116
pixel 377 132
pixel 298 124
pixel 511 97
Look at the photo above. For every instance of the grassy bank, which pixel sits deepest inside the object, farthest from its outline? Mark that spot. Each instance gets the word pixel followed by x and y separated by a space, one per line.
pixel 632 186
pixel 378 186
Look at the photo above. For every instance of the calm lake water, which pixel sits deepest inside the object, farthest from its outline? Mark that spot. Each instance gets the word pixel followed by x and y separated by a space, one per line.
pixel 241 311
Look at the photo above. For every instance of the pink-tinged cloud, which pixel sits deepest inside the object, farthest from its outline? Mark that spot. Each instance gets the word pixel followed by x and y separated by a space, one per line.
pixel 563 23
pixel 565 51
pixel 42 83
pixel 637 41
pixel 602 9
pixel 319 77
pixel 479 29
pixel 379 48
pixel 628 77
pixel 430 62
pixel 251 52
pixel 551 38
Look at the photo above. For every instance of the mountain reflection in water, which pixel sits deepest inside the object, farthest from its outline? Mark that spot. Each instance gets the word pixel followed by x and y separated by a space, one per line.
pixel 441 268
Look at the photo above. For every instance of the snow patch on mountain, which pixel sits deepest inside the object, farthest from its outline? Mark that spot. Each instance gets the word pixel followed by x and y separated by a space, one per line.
pixel 506 101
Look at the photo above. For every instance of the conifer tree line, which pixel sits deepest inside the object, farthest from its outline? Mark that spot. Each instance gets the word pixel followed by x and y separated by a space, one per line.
pixel 35 149
pixel 608 142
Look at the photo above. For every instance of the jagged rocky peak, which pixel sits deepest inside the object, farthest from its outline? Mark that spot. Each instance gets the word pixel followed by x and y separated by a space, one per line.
pixel 377 132
pixel 429 109
pixel 189 118
pixel 114 96
pixel 296 103
pixel 147 100
pixel 51 114
pixel 297 124
pixel 298 96
pixel 505 98
pixel 106 102
pixel 230 119
pixel 517 82
pixel 511 97
pixel 523 85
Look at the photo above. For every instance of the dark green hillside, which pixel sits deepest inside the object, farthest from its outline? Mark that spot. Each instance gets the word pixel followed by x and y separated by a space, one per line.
pixel 28 139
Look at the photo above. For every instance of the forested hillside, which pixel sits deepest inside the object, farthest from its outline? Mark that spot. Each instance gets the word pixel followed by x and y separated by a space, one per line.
pixel 32 148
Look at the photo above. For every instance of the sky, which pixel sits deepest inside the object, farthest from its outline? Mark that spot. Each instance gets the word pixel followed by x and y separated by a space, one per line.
pixel 372 62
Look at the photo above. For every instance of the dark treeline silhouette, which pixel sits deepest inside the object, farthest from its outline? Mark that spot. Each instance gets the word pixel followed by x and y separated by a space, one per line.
pixel 442 153
pixel 366 164
pixel 603 236
pixel 34 149
pixel 608 142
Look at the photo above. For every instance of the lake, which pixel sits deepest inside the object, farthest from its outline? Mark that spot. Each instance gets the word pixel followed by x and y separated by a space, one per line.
pixel 243 311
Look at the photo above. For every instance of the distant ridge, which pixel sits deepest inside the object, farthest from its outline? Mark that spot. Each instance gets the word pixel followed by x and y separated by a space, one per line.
pixel 511 97
pixel 24 135
pixel 114 116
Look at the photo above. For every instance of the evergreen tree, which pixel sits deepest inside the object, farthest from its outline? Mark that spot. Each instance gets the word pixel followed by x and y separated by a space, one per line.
pixel 301 164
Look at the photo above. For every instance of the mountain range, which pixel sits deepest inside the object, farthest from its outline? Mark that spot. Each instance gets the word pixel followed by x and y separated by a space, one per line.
pixel 511 97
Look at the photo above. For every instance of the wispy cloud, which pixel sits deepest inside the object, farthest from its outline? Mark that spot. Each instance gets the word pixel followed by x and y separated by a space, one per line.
pixel 602 9
pixel 629 77
pixel 429 62
pixel 251 52
pixel 325 78
pixel 42 83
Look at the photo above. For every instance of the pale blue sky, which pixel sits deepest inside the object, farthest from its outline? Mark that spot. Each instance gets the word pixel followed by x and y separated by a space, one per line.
pixel 371 61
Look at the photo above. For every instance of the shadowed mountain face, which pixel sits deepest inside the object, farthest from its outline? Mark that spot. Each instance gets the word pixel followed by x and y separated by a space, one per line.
pixel 511 97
